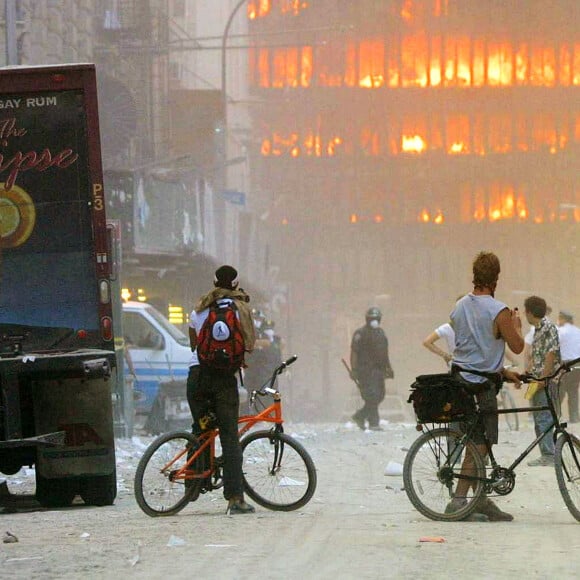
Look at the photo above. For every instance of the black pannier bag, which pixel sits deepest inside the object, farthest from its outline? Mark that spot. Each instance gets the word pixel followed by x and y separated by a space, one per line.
pixel 440 398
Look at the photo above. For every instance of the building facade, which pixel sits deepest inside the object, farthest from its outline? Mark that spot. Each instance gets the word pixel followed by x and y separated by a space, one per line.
pixel 395 140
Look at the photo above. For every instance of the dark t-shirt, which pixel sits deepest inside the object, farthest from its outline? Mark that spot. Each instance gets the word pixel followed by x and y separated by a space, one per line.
pixel 372 348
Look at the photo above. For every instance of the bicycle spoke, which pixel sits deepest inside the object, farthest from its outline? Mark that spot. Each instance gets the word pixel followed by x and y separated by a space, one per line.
pixel 432 470
pixel 278 472
pixel 160 486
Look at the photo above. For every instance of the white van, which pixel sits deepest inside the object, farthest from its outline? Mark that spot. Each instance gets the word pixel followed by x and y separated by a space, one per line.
pixel 157 352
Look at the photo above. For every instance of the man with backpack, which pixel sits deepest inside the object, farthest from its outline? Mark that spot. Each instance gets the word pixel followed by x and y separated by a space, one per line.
pixel 221 330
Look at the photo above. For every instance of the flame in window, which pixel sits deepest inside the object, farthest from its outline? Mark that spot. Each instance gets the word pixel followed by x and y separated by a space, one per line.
pixel 419 60
pixel 521 209
pixel 332 146
pixel 407 13
pixel 371 64
pixel 413 10
pixel 261 8
pixel 436 217
pixel 293 6
pixel 306 66
pixel 476 134
pixel 496 202
pixel 313 144
pixel 413 144
pixel 285 68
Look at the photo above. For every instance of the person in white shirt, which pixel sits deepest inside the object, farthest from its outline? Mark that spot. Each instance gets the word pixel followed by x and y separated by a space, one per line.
pixel 446 332
pixel 569 335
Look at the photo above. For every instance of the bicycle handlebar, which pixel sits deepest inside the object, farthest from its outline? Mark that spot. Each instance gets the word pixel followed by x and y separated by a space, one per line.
pixel 268 387
pixel 566 367
pixel 285 364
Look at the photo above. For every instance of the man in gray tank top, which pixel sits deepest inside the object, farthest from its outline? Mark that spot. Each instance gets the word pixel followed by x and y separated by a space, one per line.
pixel 483 326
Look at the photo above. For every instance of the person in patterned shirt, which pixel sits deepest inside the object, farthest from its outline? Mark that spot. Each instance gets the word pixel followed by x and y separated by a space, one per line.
pixel 545 358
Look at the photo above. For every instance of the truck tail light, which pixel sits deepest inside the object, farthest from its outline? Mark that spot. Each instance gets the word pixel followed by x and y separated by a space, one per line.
pixel 107 328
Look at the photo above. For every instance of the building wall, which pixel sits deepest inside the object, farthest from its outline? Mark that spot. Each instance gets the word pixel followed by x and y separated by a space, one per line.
pixel 143 113
pixel 395 141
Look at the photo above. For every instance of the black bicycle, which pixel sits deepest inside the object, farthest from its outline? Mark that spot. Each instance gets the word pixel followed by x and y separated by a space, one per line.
pixel 434 464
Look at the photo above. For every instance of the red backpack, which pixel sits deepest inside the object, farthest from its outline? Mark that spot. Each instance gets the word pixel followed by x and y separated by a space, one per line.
pixel 220 343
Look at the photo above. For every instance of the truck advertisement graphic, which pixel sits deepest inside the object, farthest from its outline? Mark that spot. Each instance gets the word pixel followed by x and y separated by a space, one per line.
pixel 47 274
pixel 57 361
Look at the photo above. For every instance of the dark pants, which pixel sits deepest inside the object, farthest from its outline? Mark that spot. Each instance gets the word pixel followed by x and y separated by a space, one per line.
pixel 219 392
pixel 373 392
pixel 489 427
pixel 569 388
pixel 543 419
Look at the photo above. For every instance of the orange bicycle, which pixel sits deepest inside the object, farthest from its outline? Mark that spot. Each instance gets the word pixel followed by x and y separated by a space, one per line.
pixel 278 473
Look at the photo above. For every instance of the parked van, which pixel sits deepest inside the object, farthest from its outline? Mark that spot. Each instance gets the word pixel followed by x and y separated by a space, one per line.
pixel 156 351
pixel 157 355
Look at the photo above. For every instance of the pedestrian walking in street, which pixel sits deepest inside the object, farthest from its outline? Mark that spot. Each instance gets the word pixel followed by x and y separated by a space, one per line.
pixel 545 357
pixel 445 332
pixel 221 330
pixel 569 335
pixel 370 366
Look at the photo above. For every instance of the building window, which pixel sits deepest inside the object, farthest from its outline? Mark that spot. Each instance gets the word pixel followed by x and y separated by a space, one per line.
pixel 421 133
pixel 417 61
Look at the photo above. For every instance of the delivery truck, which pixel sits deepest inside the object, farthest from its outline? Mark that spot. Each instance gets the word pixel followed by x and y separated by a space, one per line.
pixel 57 358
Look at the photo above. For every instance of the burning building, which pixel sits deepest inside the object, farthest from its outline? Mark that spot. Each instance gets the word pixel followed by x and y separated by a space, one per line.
pixel 394 139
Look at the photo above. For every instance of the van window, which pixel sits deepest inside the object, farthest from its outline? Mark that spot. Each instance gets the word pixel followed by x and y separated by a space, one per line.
pixel 139 333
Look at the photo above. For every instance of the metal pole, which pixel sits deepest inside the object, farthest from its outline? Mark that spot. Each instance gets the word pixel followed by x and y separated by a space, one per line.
pixel 11 43
pixel 224 59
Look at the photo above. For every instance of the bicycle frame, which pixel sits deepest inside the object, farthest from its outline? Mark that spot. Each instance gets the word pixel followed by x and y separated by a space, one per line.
pixel 271 414
pixel 557 425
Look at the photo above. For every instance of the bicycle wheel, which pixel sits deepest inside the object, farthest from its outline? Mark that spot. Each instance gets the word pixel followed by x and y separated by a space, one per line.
pixel 506 401
pixel 567 463
pixel 279 474
pixel 157 492
pixel 431 470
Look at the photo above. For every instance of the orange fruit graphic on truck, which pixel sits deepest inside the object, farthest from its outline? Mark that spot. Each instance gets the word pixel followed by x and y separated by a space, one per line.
pixel 17 216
